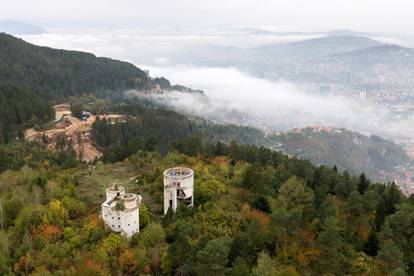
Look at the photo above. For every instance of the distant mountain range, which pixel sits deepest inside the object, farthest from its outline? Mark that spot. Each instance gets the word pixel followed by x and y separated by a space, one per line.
pixel 343 59
pixel 316 47
pixel 337 32
pixel 382 65
pixel 19 28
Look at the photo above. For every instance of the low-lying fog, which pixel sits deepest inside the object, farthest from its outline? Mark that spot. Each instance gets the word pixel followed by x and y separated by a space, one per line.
pixel 233 95
pixel 274 105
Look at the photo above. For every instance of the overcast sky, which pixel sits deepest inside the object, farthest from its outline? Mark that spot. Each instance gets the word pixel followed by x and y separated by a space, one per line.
pixel 304 15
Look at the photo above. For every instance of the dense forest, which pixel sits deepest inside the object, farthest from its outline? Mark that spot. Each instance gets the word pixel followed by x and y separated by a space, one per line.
pixel 33 77
pixel 20 109
pixel 257 212
pixel 152 127
pixel 147 128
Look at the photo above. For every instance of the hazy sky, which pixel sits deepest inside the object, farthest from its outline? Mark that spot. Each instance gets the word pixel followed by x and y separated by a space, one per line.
pixel 307 15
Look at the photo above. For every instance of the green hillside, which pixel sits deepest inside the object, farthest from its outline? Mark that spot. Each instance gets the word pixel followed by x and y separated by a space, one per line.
pixel 347 150
pixel 256 212
pixel 33 77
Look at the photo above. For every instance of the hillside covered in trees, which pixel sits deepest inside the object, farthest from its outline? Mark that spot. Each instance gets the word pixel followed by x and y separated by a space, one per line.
pixel 33 77
pixel 348 150
pixel 256 212
pixel 152 127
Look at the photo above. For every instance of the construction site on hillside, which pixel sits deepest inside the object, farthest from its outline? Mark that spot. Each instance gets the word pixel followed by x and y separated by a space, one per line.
pixel 76 132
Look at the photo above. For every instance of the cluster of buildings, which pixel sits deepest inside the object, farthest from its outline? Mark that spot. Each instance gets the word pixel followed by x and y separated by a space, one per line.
pixel 314 128
pixel 120 211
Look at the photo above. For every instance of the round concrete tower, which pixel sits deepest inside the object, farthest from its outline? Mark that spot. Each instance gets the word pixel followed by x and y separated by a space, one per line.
pixel 178 185
pixel 130 201
pixel 114 191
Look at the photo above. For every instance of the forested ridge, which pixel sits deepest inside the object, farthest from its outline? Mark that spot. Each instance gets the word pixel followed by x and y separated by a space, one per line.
pixel 33 77
pixel 152 127
pixel 346 149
